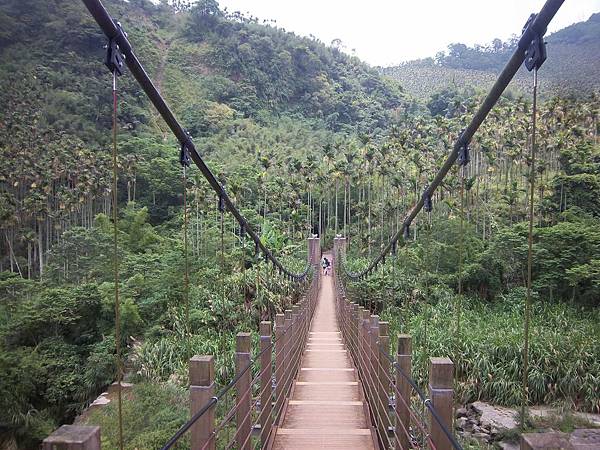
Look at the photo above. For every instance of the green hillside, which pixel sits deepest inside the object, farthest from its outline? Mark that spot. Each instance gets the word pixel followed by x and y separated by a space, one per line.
pixel 306 140
pixel 571 69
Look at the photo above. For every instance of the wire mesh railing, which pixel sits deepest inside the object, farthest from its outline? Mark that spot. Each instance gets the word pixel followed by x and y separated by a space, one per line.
pixel 402 415
pixel 244 413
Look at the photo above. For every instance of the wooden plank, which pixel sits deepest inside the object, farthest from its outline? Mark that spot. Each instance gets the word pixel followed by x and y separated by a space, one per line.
pixel 326 431
pixel 326 402
pixel 326 410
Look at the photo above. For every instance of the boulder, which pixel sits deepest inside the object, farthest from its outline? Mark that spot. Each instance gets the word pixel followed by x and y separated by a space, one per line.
pixel 506 445
pixel 481 436
pixel 585 439
pixel 545 441
pixel 125 387
pixel 495 417
pixel 461 412
pixel 461 423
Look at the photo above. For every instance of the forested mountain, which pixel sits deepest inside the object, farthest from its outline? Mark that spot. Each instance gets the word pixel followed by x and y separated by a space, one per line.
pixel 256 100
pixel 306 139
pixel 226 77
pixel 571 69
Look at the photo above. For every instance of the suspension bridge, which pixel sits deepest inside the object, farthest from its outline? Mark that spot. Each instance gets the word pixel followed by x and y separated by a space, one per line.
pixel 323 374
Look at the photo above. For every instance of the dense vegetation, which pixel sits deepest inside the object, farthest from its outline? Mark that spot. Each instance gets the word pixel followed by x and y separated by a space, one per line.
pixel 571 68
pixel 307 139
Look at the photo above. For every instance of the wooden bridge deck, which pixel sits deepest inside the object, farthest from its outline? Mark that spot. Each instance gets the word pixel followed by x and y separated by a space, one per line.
pixel 326 408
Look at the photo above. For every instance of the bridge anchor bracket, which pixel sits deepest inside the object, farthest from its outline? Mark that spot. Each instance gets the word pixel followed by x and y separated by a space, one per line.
pixel 535 52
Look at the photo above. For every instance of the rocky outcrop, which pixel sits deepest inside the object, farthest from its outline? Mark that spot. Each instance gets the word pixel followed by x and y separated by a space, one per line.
pixel 488 423
pixel 483 421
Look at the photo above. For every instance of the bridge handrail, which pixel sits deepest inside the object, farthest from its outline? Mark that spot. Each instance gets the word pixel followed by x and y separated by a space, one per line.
pixel 112 30
pixel 291 348
pixel 424 399
pixel 363 362
pixel 537 28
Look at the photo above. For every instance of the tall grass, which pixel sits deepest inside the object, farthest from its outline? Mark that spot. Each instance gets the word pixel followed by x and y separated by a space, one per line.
pixel 564 354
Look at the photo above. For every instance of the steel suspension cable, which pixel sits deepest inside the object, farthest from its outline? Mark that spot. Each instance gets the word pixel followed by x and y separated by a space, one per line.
pixel 534 29
pixel 186 276
pixel 426 401
pixel 114 32
pixel 115 172
pixel 525 390
pixel 244 282
pixel 461 245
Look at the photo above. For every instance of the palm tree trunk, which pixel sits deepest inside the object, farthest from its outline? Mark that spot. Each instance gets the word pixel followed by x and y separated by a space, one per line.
pixel 369 216
pixel 336 206
pixel 345 204
pixel 320 217
pixel 41 249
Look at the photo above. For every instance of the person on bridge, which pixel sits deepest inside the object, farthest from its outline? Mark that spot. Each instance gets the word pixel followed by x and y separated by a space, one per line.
pixel 326 265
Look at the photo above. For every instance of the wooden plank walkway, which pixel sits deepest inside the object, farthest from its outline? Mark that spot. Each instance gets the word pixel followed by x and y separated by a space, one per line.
pixel 326 409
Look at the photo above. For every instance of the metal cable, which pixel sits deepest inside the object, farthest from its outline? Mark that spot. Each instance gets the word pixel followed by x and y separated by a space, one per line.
pixel 110 29
pixel 230 414
pixel 525 393
pixel 185 427
pixel 186 277
pixel 425 401
pixel 228 387
pixel 537 27
pixel 115 169
pixel 371 387
pixel 461 245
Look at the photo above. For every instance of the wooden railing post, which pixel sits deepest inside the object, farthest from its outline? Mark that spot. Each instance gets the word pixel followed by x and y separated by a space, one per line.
pixel 353 334
pixel 243 392
pixel 296 337
pixel 314 250
pixel 266 385
pixel 383 383
pixel 339 246
pixel 289 349
pixel 404 363
pixel 441 380
pixel 279 365
pixel 348 319
pixel 373 371
pixel 202 389
pixel 364 344
pixel 360 342
pixel 304 317
pixel 73 437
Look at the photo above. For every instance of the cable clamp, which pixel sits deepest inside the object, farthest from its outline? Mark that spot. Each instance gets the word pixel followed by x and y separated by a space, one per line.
pixel 427 203
pixel 114 58
pixel 222 200
pixel 464 156
pixel 406 232
pixel 532 42
pixel 184 154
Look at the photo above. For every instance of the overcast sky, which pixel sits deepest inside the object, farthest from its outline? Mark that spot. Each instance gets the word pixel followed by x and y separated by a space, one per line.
pixel 387 32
